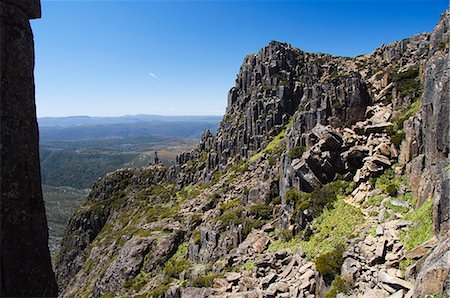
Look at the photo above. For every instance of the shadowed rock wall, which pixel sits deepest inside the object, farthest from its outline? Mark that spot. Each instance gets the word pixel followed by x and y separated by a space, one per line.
pixel 25 258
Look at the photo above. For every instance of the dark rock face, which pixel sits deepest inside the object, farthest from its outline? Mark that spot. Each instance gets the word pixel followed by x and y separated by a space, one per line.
pixel 433 276
pixel 426 147
pixel 25 258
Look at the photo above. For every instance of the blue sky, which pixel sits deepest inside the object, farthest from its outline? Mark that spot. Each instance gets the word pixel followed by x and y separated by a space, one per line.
pixel 109 58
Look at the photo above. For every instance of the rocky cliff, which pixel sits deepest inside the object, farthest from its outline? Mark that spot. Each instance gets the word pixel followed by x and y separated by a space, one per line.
pixel 327 176
pixel 25 258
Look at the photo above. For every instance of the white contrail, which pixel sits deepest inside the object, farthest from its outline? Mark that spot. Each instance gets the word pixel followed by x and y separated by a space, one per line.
pixel 153 75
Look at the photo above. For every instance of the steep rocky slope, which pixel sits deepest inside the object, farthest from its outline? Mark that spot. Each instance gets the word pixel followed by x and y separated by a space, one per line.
pixel 327 176
pixel 25 259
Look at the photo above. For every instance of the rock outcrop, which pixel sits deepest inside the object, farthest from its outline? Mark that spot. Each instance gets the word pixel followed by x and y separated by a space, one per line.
pixel 327 176
pixel 25 258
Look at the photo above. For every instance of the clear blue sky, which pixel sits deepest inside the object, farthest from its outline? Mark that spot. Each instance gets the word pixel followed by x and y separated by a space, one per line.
pixel 181 57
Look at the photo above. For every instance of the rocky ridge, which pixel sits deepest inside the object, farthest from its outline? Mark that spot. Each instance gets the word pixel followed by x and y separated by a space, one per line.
pixel 323 179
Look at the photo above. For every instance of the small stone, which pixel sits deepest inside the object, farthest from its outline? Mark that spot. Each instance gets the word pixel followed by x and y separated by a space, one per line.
pixel 220 283
pixel 282 287
pixel 305 284
pixel 399 203
pixel 398 294
pixel 391 256
pixel 380 251
pixel 373 293
pixel 268 279
pixel 279 255
pixel 380 230
pixel 271 290
pixel 304 267
pixel 307 275
pixel 388 288
pixel 288 268
pixel 232 276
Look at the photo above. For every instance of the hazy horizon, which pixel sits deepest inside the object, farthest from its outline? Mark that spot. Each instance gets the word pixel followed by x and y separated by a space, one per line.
pixel 133 115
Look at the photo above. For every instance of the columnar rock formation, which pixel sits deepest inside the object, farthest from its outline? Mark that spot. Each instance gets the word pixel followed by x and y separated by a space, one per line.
pixel 325 176
pixel 25 258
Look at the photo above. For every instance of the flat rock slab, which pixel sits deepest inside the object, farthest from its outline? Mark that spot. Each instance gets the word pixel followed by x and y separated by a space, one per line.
pixel 232 276
pixel 393 281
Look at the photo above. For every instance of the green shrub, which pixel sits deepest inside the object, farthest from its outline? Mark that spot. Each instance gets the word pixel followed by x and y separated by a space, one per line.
pixel 337 105
pixel 422 228
pixel 292 195
pixel 276 200
pixel 227 206
pixel 415 107
pixel 279 149
pixel 274 143
pixel 204 281
pixel 338 285
pixel 392 189
pixel 398 137
pixel 285 235
pixel 405 263
pixel 212 202
pixel 196 219
pixel 261 211
pixel 250 224
pixel 296 151
pixel 331 228
pixel 231 217
pixel 322 198
pixel 196 236
pixel 178 262
pixel 160 290
pixel 408 83
pixel 175 267
pixel 272 160
pixel 248 266
pixel 300 200
pixel 374 201
pixel 385 180
pixel 329 263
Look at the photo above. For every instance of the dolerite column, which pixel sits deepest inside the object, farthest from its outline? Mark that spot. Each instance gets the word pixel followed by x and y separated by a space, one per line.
pixel 25 258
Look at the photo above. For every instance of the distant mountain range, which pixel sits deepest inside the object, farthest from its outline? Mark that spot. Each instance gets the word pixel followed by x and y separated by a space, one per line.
pixel 125 127
pixel 88 120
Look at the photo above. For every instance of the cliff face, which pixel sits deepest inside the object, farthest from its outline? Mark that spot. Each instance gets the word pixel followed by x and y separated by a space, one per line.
pixel 25 258
pixel 327 175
